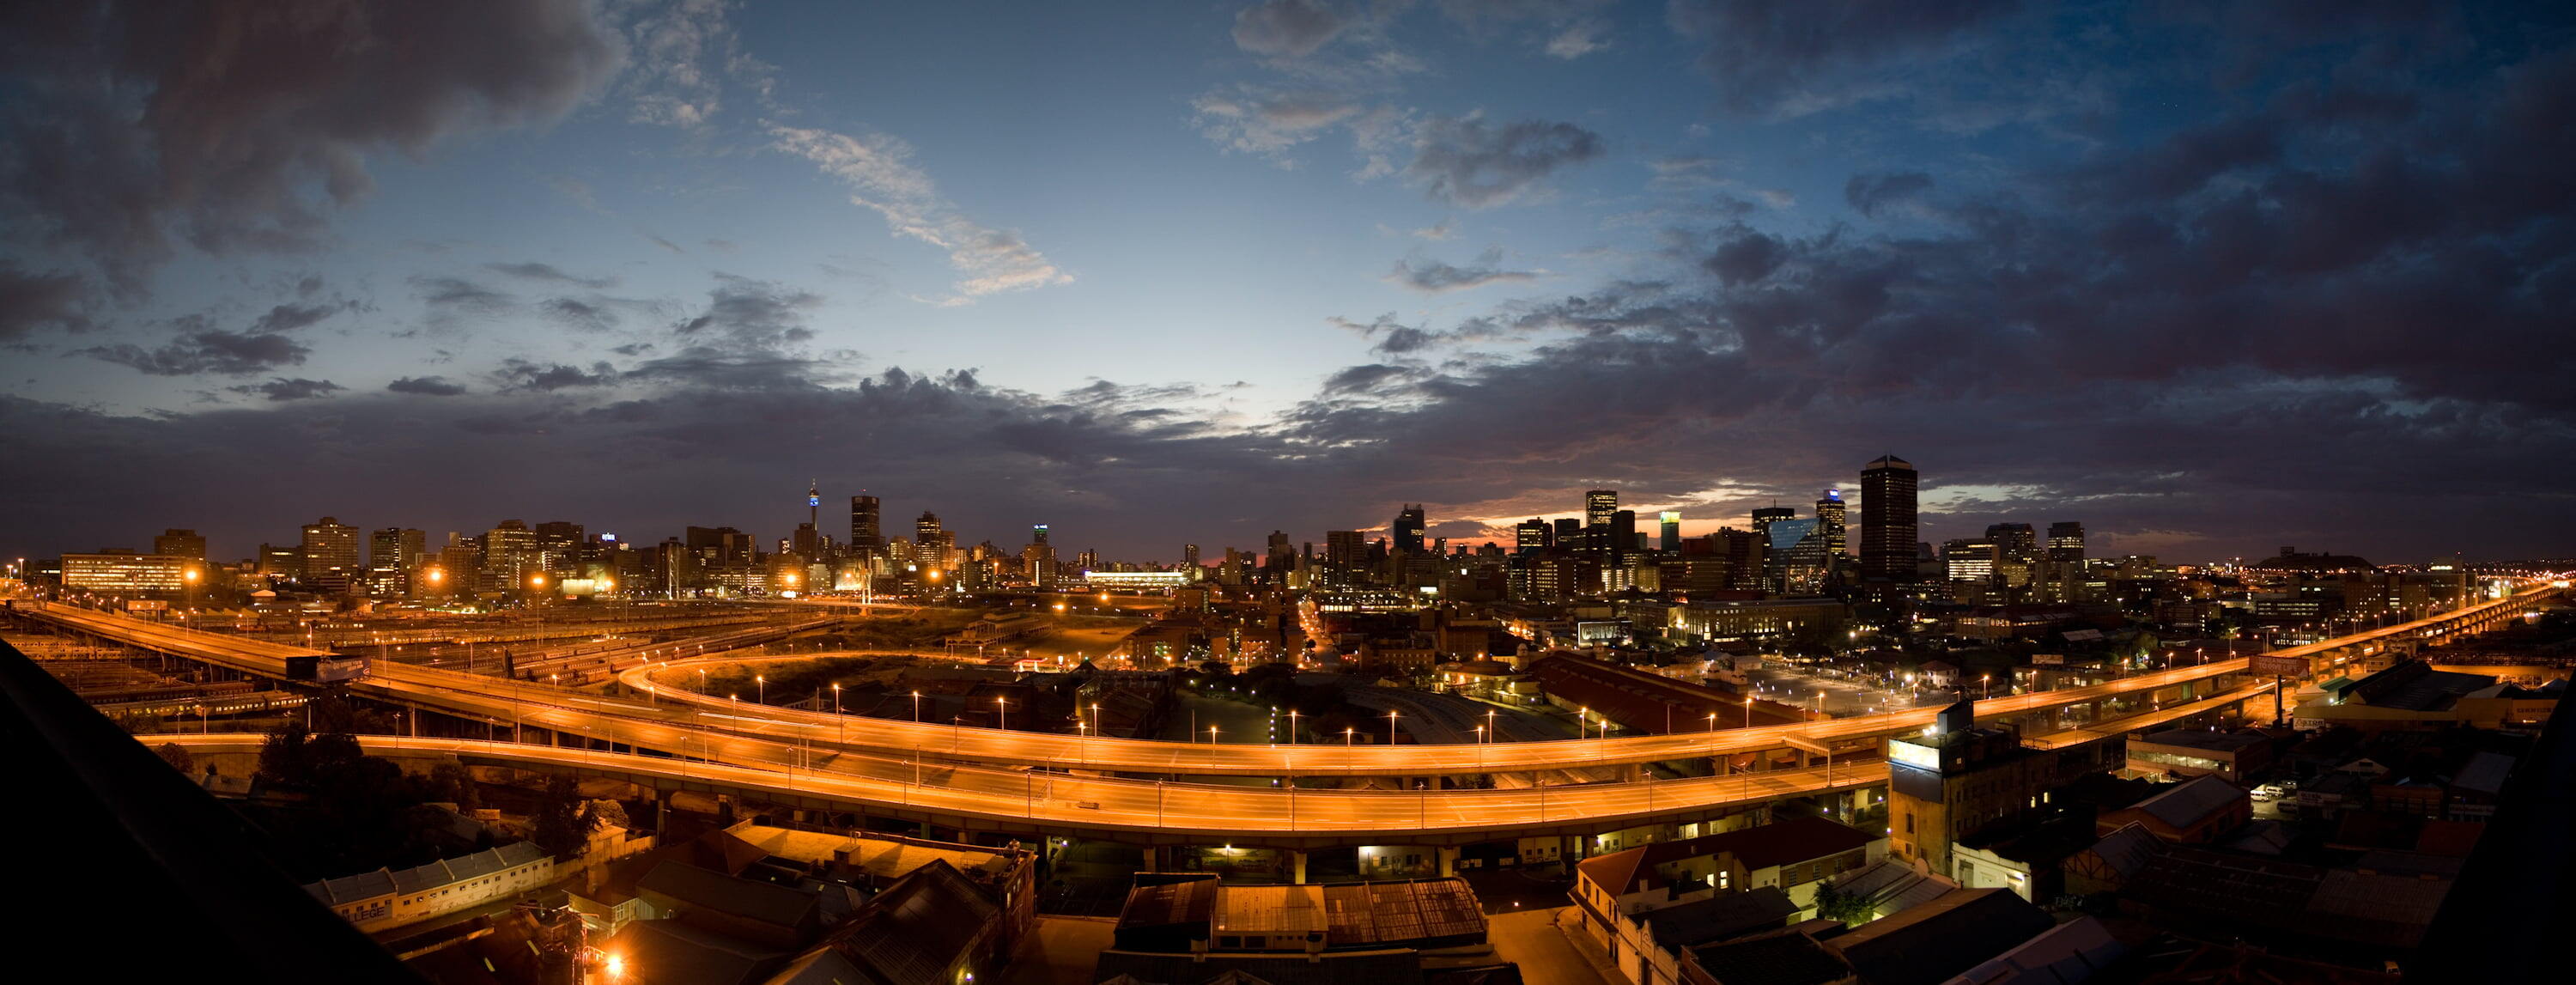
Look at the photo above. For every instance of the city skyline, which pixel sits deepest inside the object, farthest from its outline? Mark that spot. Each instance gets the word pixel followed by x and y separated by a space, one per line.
pixel 2210 280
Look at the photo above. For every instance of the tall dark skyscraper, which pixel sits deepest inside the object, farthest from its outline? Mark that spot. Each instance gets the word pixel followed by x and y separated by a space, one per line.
pixel 1408 529
pixel 1532 534
pixel 867 535
pixel 1569 533
pixel 2066 541
pixel 1887 527
pixel 1671 542
pixel 1766 516
pixel 1599 506
pixel 2013 541
pixel 1623 533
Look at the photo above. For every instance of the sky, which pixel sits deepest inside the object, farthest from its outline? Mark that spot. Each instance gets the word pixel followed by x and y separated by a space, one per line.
pixel 2210 278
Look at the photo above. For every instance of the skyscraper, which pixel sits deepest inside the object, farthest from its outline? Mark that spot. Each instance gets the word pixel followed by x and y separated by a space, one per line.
pixel 866 536
pixel 1532 534
pixel 1672 533
pixel 1829 523
pixel 510 557
pixel 2013 541
pixel 1887 519
pixel 1409 525
pixel 1190 555
pixel 1599 506
pixel 1766 516
pixel 1038 533
pixel 2066 542
pixel 175 542
pixel 330 555
pixel 394 554
pixel 1623 533
pixel 930 542
pixel 1345 548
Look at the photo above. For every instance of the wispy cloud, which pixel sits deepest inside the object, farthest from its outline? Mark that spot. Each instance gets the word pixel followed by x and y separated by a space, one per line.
pixel 879 169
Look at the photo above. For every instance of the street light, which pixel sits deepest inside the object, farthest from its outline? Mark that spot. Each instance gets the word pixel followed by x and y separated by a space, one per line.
pixel 1292 725
pixel 916 707
pixel 1390 728
pixel 760 683
pixel 1211 735
pixel 1006 713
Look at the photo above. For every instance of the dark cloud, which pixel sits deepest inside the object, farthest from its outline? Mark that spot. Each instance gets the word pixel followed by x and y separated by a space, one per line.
pixel 288 317
pixel 520 374
pixel 589 316
pixel 744 315
pixel 1789 59
pixel 549 273
pixel 31 301
pixel 1289 28
pixel 206 351
pixel 427 386
pixel 282 389
pixel 1433 276
pixel 452 298
pixel 233 126
pixel 1870 193
pixel 1465 162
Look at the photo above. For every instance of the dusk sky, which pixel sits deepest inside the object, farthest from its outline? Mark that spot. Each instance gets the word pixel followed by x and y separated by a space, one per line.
pixel 2208 278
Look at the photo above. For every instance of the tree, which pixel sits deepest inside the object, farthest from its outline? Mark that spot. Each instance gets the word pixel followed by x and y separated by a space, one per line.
pixel 284 757
pixel 178 758
pixel 451 783
pixel 562 821
pixel 1832 903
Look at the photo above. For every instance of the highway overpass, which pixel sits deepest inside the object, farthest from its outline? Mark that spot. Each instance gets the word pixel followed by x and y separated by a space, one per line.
pixel 658 721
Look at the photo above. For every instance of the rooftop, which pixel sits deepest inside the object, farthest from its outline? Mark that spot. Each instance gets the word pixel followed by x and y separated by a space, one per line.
pixel 1720 917
pixel 1759 847
pixel 2191 801
pixel 2197 738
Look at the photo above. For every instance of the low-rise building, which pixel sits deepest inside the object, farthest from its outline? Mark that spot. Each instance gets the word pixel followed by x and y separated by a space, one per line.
pixel 1193 928
pixel 1612 892
pixel 387 898
pixel 2194 812
pixel 2232 756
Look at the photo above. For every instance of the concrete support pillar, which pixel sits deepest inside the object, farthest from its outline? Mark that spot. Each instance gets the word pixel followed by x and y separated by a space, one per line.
pixel 1296 866
pixel 1154 858
pixel 1448 860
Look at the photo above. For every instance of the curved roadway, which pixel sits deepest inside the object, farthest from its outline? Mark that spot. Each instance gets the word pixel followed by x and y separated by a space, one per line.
pixel 655 723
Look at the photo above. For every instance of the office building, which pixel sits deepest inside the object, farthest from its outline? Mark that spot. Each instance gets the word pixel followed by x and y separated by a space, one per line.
pixel 559 546
pixel 1764 517
pixel 1957 779
pixel 1345 548
pixel 2013 542
pixel 127 573
pixel 1190 554
pixel 175 542
pixel 2066 542
pixel 933 545
pixel 867 536
pixel 511 560
pixel 1829 521
pixel 1598 505
pixel 1671 541
pixel 330 556
pixel 394 554
pixel 1969 560
pixel 1409 526
pixel 1532 534
pixel 1623 533
pixel 1887 520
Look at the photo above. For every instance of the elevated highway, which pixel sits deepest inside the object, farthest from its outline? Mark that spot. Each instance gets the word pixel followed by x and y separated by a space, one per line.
pixel 1038 803
pixel 658 721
